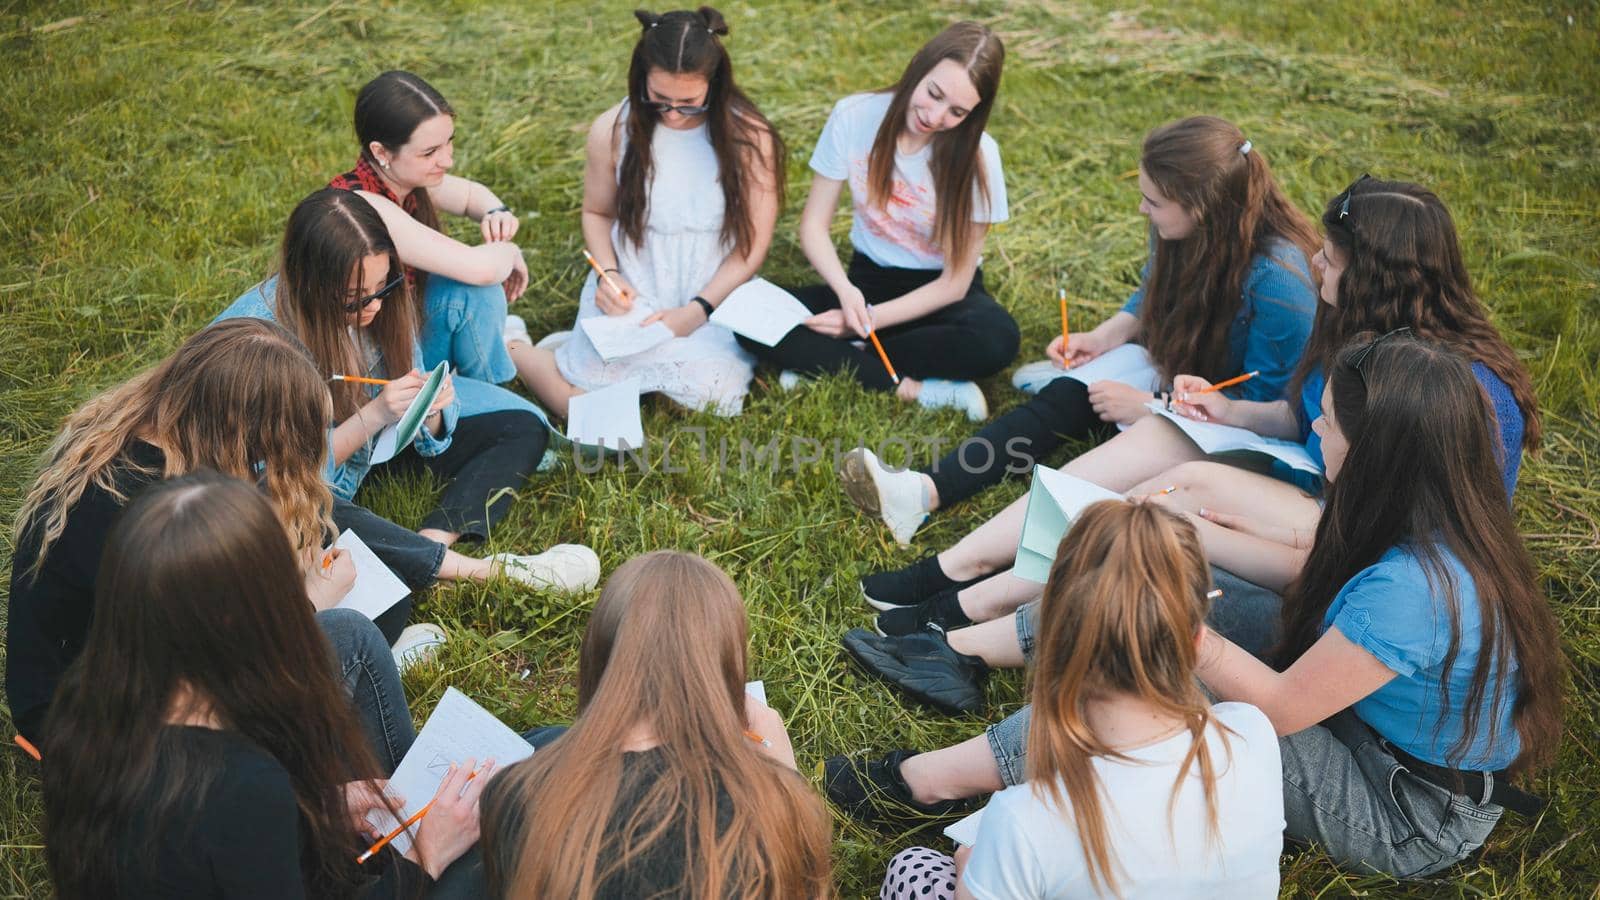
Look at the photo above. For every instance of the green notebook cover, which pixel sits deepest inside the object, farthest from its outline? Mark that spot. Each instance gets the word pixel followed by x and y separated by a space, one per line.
pixel 1054 502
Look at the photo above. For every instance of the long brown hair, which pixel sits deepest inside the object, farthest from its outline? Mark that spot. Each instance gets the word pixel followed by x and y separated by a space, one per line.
pixel 1422 472
pixel 238 394
pixel 665 646
pixel 328 237
pixel 685 42
pixel 956 162
pixel 1196 285
pixel 388 109
pixel 1121 613
pixel 1403 268
pixel 199 596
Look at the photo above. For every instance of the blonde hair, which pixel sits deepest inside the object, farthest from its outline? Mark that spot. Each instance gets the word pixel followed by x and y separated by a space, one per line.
pixel 1121 612
pixel 238 394
pixel 666 644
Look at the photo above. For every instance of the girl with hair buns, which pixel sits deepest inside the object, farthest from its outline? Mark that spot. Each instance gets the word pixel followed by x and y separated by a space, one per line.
pixel 1137 784
pixel 407 134
pixel 202 745
pixel 672 781
pixel 681 190
pixel 925 185
pixel 1227 288
pixel 341 291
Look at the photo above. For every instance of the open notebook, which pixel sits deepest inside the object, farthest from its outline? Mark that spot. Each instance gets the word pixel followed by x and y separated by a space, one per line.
pixel 1226 439
pixel 1054 501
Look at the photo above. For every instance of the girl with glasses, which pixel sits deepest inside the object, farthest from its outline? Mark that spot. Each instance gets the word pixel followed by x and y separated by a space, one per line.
pixel 1390 259
pixel 407 135
pixel 1227 288
pixel 341 292
pixel 681 191
pixel 204 745
pixel 925 185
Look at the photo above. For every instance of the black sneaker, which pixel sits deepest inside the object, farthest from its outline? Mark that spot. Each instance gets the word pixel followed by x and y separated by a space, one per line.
pixel 908 586
pixel 924 666
pixel 873 792
pixel 942 609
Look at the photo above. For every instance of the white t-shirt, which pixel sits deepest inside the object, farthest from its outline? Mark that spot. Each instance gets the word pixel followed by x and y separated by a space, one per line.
pixel 901 235
pixel 1027 848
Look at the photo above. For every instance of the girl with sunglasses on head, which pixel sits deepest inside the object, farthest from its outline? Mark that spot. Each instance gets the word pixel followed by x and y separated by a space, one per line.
pixel 672 781
pixel 202 745
pixel 340 291
pixel 1227 288
pixel 681 192
pixel 1390 259
pixel 1417 665
pixel 1137 785
pixel 925 185
pixel 407 135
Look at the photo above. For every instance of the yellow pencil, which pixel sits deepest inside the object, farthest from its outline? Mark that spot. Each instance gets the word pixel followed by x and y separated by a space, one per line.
pixel 604 274
pixel 357 379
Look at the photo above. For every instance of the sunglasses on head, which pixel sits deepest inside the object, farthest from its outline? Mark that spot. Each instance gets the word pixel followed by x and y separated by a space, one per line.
pixel 1344 203
pixel 354 306
pixel 1360 357
pixel 664 108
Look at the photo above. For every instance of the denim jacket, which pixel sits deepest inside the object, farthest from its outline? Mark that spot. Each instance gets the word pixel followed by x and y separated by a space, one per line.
pixel 1273 323
pixel 345 478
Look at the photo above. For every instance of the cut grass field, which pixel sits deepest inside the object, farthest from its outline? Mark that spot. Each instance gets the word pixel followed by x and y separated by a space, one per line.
pixel 154 151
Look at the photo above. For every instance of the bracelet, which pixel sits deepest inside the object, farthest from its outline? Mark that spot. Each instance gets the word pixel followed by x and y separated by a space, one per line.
pixel 504 209
pixel 705 305
pixel 617 271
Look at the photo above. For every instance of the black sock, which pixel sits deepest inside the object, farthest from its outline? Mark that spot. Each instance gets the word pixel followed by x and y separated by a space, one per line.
pixel 910 585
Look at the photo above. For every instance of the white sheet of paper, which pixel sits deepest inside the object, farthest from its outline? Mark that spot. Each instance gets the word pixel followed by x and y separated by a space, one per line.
pixel 965 832
pixel 377 587
pixel 1214 438
pixel 1128 364
pixel 761 311
pixel 758 690
pixel 617 336
pixel 456 730
pixel 608 417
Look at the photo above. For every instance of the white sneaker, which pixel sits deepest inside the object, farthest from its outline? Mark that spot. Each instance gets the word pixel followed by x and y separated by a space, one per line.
pixel 1032 377
pixel 515 330
pixel 565 568
pixel 966 396
pixel 789 379
pixel 554 340
pixel 418 643
pixel 894 497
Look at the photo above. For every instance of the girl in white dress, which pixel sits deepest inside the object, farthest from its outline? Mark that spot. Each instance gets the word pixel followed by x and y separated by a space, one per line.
pixel 681 192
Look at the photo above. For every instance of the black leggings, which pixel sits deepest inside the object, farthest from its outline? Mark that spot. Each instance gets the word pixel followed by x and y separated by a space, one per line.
pixel 971 338
pixel 1013 443
pixel 488 454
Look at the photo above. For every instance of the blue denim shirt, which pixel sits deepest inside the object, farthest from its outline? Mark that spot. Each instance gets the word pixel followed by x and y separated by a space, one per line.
pixel 344 479
pixel 1270 330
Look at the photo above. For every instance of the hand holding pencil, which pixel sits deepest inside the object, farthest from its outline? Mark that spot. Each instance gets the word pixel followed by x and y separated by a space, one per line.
pixel 612 293
pixel 1203 401
pixel 448 823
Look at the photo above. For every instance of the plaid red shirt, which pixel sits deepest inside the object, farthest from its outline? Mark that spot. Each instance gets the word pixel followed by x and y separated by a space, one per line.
pixel 365 178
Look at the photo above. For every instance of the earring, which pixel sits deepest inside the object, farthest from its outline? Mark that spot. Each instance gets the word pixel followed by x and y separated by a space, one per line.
pixel 384 164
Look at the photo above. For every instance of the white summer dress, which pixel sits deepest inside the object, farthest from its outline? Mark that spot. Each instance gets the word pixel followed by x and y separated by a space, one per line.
pixel 682 249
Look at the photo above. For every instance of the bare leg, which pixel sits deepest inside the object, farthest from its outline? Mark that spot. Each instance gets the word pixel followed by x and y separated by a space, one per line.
pixel 457 567
pixel 1153 445
pixel 997 596
pixel 444 537
pixel 538 371
pixel 908 389
pixel 995 642
pixel 952 773
pixel 1230 489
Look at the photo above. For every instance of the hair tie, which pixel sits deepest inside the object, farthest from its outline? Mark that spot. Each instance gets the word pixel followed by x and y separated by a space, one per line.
pixel 1244 149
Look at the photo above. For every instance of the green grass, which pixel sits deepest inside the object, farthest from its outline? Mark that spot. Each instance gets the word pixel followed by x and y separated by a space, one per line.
pixel 154 150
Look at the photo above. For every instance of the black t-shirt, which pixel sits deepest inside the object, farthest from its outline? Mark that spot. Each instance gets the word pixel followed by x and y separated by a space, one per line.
pixel 48 616
pixel 658 873
pixel 243 839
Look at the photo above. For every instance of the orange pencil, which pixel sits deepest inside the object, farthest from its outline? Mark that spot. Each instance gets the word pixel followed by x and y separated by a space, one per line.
pixel 357 379
pixel 873 337
pixel 604 274
pixel 757 738
pixel 1064 333
pixel 415 818
pixel 1237 379
pixel 28 748
pixel 327 560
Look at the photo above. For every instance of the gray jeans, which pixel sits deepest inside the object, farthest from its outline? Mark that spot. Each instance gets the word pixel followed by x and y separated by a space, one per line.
pixel 1342 787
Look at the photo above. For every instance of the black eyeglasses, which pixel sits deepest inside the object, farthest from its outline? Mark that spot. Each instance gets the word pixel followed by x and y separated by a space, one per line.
pixel 664 108
pixel 1360 357
pixel 1344 205
pixel 355 306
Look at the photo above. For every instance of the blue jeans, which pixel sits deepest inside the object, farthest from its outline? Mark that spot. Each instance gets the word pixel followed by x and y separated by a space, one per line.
pixel 367 667
pixel 463 323
pixel 1343 789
